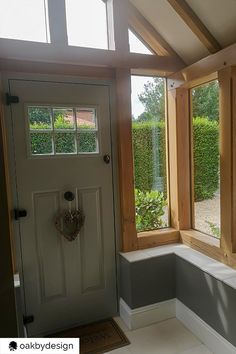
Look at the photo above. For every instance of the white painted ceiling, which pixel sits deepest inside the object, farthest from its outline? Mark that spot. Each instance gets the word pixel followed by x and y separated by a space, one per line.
pixel 219 16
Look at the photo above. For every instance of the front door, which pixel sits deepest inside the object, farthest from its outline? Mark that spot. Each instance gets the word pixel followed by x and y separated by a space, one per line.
pixel 61 132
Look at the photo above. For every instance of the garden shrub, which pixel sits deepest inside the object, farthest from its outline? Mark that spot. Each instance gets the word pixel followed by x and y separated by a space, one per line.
pixel 206 158
pixel 149 210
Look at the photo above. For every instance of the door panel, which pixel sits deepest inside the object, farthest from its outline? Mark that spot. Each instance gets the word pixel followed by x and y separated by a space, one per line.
pixel 65 283
pixel 92 246
pixel 46 206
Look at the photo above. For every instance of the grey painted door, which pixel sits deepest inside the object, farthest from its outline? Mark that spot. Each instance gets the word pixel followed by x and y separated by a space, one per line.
pixel 61 133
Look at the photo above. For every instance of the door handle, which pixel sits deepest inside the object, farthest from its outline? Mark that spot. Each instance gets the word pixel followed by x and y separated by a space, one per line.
pixel 107 158
pixel 69 196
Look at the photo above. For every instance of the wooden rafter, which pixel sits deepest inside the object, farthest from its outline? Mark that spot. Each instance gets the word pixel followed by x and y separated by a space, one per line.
pixel 195 24
pixel 147 33
pixel 25 50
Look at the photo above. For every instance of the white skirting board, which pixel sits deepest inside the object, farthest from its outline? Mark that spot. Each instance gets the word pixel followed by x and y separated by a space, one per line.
pixel 147 315
pixel 207 335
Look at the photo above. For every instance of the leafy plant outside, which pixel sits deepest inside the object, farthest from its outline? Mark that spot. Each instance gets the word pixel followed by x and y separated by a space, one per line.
pixel 149 210
pixel 215 229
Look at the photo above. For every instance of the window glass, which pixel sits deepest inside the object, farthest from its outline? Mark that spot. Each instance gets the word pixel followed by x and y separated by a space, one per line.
pixel 86 118
pixel 24 19
pixel 149 149
pixel 87 23
pixel 206 158
pixel 87 141
pixel 65 143
pixel 63 118
pixel 59 130
pixel 41 143
pixel 136 45
pixel 40 117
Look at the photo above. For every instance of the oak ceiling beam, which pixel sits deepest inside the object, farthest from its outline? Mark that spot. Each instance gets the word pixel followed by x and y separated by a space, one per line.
pixel 26 50
pixel 195 24
pixel 27 66
pixel 148 33
pixel 204 67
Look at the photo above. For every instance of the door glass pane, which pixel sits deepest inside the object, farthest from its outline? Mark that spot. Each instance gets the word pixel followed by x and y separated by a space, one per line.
pixel 206 159
pixel 39 118
pixel 63 118
pixel 149 149
pixel 65 143
pixel 87 23
pixel 87 142
pixel 86 118
pixel 65 136
pixel 40 143
pixel 24 19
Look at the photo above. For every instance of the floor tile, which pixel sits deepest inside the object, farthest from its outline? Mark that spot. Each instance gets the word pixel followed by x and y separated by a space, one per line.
pixel 201 349
pixel 167 337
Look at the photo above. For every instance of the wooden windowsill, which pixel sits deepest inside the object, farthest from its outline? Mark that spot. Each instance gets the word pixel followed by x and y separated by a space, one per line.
pixel 200 236
pixel 154 238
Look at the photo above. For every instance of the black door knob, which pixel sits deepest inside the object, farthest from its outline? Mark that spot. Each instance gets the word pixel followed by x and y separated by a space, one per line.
pixel 69 196
pixel 106 158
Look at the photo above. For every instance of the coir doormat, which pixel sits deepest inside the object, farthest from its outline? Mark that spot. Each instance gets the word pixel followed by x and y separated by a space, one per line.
pixel 96 338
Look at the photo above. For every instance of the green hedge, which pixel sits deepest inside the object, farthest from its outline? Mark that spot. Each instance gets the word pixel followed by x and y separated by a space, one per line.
pixel 206 157
pixel 149 152
pixel 41 143
pixel 149 156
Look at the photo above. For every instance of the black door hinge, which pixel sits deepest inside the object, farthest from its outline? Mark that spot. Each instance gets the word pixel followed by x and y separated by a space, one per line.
pixel 11 99
pixel 19 214
pixel 28 319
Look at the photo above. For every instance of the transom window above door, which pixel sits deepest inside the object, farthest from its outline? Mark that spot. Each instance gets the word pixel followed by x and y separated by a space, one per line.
pixel 62 130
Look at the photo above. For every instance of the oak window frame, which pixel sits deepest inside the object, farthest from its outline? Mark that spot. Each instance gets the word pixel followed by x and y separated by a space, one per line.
pixel 131 239
pixel 223 249
pixel 179 146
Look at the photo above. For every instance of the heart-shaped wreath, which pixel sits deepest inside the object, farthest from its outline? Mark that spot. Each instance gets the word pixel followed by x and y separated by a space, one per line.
pixel 69 223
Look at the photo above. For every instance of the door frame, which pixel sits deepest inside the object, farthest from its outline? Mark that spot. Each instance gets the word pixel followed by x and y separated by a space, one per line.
pixel 6 77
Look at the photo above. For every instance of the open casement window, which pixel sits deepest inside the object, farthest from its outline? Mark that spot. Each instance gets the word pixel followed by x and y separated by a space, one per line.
pixel 205 129
pixel 149 153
